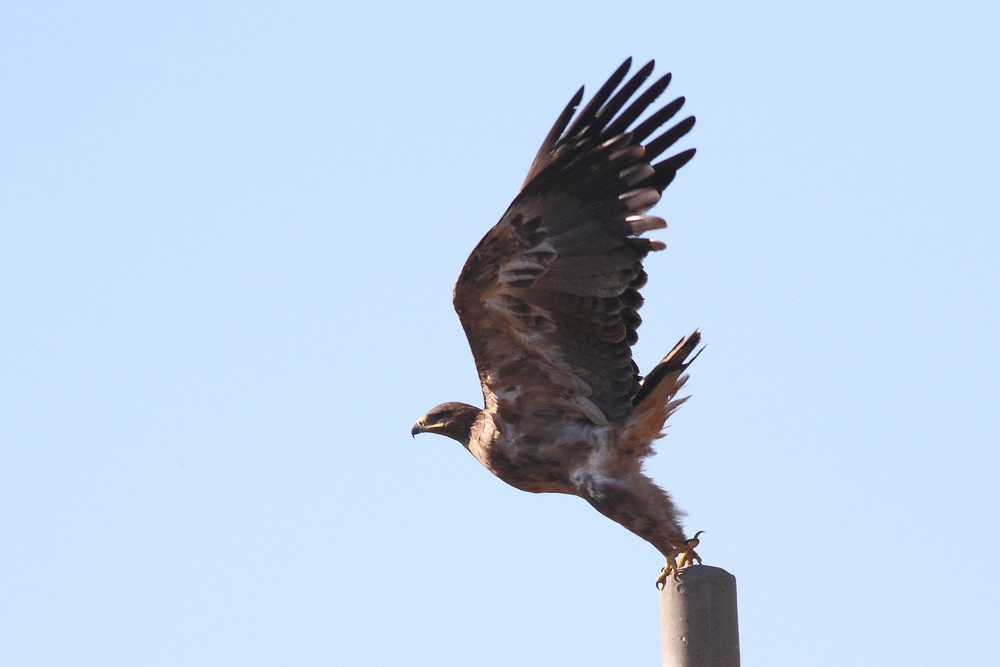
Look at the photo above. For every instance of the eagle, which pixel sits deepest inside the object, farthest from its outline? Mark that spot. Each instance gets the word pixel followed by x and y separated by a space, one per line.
pixel 549 302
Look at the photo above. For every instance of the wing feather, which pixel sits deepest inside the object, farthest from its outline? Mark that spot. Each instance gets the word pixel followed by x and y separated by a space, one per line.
pixel 549 297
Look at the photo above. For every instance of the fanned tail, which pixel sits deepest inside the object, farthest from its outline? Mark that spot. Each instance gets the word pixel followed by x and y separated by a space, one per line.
pixel 655 401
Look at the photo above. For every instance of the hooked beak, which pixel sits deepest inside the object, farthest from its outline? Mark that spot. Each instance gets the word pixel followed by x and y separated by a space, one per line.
pixel 417 428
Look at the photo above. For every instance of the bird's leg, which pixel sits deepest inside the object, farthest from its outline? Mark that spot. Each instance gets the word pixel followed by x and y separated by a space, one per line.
pixel 688 556
pixel 634 501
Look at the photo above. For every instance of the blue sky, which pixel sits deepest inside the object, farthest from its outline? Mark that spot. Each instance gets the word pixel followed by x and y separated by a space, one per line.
pixel 228 241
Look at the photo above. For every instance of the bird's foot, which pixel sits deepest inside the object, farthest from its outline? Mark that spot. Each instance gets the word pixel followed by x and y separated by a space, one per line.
pixel 669 568
pixel 679 557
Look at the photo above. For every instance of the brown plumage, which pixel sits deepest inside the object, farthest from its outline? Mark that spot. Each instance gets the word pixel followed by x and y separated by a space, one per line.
pixel 549 302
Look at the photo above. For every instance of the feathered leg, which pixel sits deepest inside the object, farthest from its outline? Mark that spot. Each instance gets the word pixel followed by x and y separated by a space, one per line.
pixel 637 503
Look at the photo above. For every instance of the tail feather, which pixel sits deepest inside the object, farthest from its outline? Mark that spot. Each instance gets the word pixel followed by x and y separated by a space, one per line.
pixel 654 402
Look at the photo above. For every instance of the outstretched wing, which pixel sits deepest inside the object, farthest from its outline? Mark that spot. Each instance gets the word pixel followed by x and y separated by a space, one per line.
pixel 548 298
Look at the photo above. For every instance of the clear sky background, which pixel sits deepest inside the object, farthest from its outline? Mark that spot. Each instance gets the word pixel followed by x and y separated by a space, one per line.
pixel 228 238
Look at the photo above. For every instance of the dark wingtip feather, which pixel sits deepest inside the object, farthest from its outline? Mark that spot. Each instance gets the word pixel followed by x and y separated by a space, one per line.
pixel 589 112
pixel 655 147
pixel 644 129
pixel 667 169
pixel 641 103
pixel 586 140
pixel 553 136
pixel 608 112
pixel 675 162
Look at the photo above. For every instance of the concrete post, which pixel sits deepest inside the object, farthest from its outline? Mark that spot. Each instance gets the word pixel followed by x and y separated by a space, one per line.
pixel 698 621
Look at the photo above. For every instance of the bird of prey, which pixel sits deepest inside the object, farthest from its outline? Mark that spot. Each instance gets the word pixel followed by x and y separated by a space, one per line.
pixel 548 301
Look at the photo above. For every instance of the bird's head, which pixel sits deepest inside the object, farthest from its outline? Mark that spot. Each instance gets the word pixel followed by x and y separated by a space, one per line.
pixel 454 420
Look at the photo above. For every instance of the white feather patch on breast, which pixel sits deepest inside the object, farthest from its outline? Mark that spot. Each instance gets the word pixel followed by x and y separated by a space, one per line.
pixel 595 469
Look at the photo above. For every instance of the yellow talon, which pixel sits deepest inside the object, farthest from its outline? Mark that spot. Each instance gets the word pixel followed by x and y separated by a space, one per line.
pixel 688 556
pixel 670 567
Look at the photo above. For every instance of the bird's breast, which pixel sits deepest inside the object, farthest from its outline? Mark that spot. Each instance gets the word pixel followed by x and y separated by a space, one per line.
pixel 531 463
